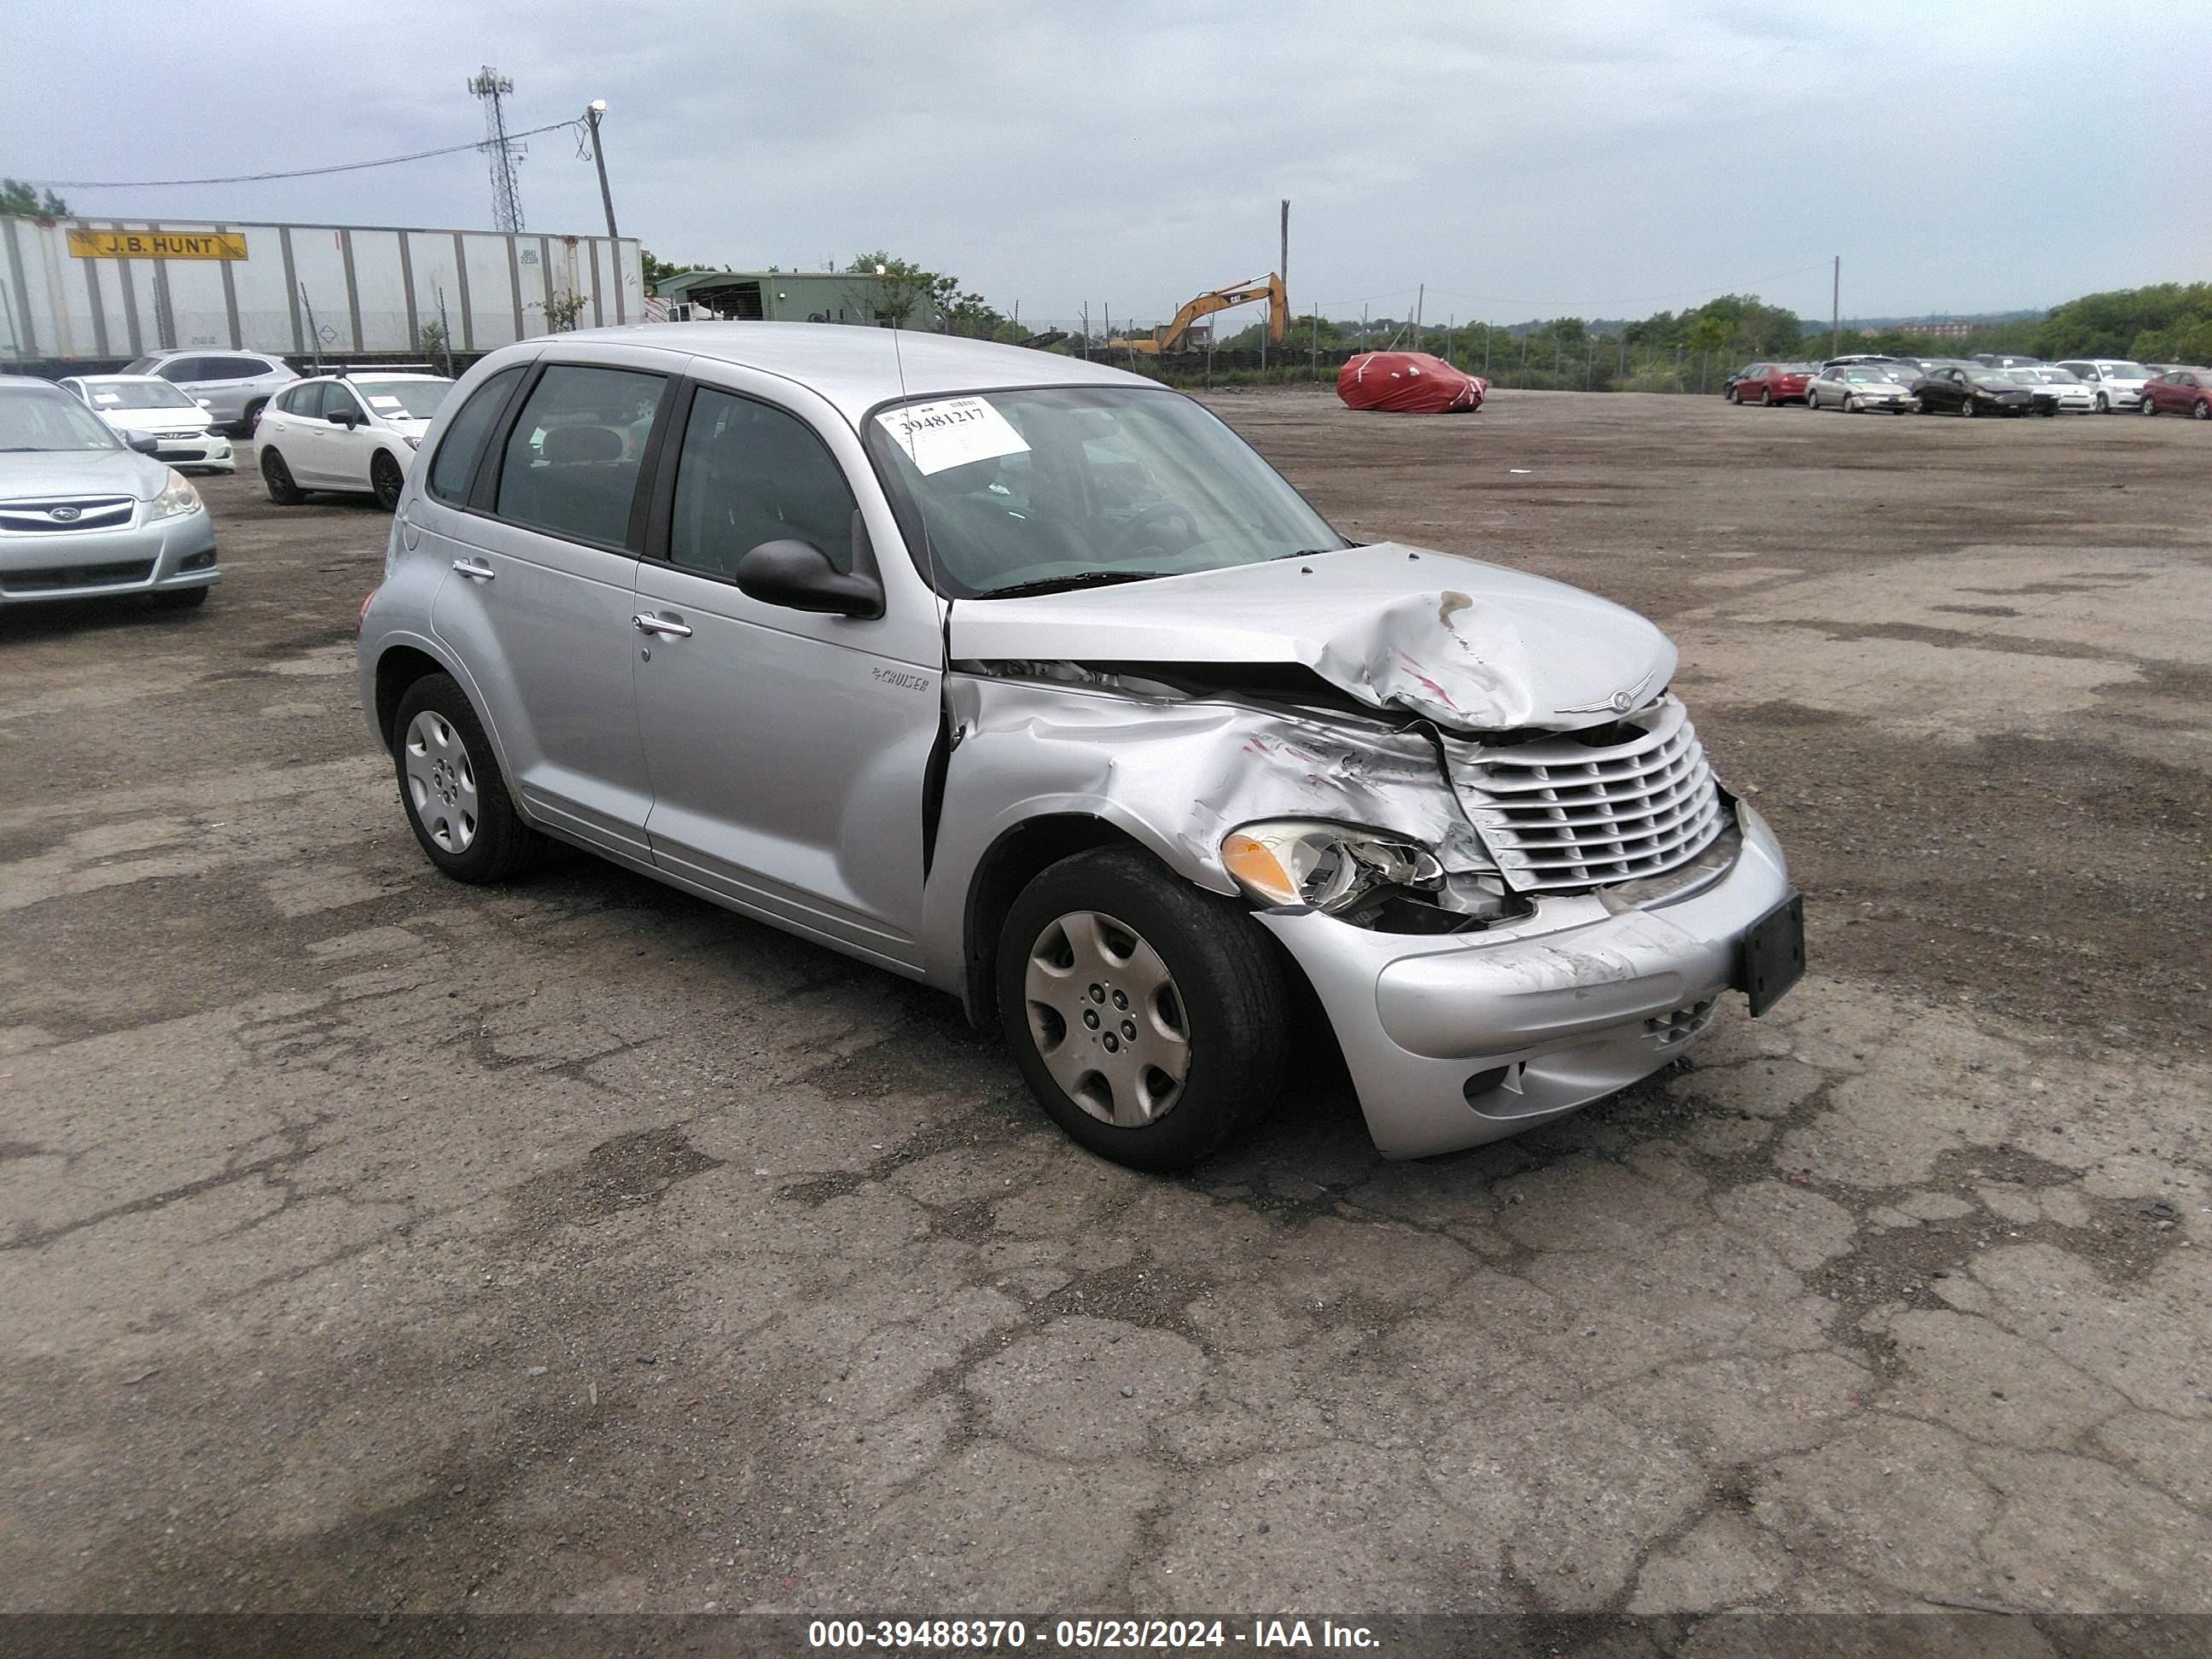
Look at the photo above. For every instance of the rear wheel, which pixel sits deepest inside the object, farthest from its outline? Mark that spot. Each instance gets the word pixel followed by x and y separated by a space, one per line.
pixel 277 478
pixel 1150 1019
pixel 1966 407
pixel 2201 410
pixel 250 422
pixel 1766 397
pixel 1733 396
pixel 383 477
pixel 450 784
pixel 2103 405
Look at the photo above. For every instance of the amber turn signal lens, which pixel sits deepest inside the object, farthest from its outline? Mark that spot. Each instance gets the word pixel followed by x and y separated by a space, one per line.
pixel 1253 863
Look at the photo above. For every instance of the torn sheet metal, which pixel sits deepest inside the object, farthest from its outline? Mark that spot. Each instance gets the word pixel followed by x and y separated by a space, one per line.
pixel 1183 773
pixel 1474 647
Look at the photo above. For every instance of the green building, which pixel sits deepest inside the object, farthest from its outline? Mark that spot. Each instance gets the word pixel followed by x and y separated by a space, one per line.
pixel 787 297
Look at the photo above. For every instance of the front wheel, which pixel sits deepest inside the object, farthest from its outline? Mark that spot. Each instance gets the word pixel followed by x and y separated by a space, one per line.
pixel 2201 412
pixel 1851 403
pixel 2147 406
pixel 2103 405
pixel 383 477
pixel 450 784
pixel 1149 1019
pixel 1966 408
pixel 276 478
pixel 1766 397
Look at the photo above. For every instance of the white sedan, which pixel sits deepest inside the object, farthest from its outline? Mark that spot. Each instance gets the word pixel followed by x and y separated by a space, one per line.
pixel 2075 395
pixel 1853 387
pixel 349 432
pixel 138 405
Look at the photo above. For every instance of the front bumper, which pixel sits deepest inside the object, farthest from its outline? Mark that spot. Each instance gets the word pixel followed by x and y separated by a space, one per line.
pixel 211 450
pixel 165 557
pixel 1458 1039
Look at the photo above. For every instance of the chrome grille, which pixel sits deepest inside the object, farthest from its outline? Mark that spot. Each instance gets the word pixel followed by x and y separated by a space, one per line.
pixel 77 513
pixel 1562 813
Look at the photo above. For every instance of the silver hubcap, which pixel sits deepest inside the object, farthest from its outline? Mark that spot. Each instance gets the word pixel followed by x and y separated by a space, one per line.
pixel 1107 1019
pixel 442 781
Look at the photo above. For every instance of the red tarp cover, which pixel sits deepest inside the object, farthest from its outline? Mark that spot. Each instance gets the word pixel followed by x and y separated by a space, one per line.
pixel 1408 382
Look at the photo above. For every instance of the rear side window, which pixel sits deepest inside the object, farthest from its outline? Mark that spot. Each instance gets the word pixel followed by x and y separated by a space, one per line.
pixel 182 369
pixel 306 401
pixel 458 451
pixel 572 462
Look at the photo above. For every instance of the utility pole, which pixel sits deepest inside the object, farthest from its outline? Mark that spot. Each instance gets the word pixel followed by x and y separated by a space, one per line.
pixel 1363 328
pixel 489 84
pixel 1421 304
pixel 1086 329
pixel 1486 350
pixel 1316 370
pixel 593 112
pixel 1283 270
pixel 1836 311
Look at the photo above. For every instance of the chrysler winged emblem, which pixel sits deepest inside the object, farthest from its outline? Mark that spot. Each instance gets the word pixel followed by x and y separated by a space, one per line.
pixel 1618 703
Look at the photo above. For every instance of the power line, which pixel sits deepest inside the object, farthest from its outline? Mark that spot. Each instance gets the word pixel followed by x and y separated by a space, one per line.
pixel 298 173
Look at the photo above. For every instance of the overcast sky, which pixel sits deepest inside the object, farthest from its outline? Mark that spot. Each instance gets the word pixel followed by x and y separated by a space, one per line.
pixel 1605 158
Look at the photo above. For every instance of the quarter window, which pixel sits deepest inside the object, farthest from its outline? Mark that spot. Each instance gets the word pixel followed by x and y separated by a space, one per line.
pixel 463 445
pixel 572 462
pixel 306 401
pixel 749 474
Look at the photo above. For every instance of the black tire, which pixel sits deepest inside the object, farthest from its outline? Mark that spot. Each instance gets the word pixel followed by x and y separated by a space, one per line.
pixel 1851 403
pixel 1731 395
pixel 385 478
pixel 1766 397
pixel 501 844
pixel 1225 980
pixel 2145 406
pixel 1966 407
pixel 276 479
pixel 2103 405
pixel 252 417
pixel 180 599
pixel 2201 410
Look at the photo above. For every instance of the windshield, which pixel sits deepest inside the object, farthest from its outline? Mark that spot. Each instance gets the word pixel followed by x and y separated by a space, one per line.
pixel 135 394
pixel 1869 374
pixel 50 421
pixel 2118 371
pixel 143 366
pixel 1990 380
pixel 1070 486
pixel 2055 376
pixel 404 400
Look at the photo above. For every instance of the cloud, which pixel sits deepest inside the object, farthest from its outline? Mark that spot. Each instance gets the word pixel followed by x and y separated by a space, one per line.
pixel 1612 156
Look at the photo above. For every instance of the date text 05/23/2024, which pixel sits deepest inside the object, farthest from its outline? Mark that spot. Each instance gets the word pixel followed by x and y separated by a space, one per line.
pixel 1140 1635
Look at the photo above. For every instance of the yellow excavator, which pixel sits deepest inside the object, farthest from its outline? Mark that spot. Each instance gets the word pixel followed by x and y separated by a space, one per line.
pixel 1175 335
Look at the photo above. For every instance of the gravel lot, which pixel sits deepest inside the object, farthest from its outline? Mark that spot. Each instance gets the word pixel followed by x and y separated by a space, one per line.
pixel 373 1242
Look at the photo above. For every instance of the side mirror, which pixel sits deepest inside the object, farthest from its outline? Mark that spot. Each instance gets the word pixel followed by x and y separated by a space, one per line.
pixel 344 417
pixel 204 403
pixel 798 576
pixel 144 442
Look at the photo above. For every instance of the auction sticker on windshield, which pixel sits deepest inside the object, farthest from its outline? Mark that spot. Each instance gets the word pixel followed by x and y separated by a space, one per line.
pixel 952 432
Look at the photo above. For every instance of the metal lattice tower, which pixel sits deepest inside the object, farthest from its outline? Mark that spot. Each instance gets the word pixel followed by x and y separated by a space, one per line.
pixel 489 84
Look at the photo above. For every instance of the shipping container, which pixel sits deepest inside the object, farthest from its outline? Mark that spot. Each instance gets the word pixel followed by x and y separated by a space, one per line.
pixel 77 292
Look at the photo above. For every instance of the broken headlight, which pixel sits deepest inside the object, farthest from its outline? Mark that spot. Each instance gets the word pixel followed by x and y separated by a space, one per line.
pixel 1328 867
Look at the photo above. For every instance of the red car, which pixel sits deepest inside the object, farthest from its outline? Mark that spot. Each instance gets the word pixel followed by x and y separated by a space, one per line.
pixel 1772 383
pixel 2180 392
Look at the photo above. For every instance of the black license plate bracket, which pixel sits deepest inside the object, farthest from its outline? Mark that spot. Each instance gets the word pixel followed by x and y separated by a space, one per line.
pixel 1772 956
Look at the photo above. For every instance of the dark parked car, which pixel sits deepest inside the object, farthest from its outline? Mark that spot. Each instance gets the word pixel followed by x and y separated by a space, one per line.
pixel 1976 391
pixel 2180 392
pixel 1769 383
pixel 2006 360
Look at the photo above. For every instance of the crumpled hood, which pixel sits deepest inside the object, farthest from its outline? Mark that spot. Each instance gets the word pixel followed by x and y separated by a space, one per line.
pixel 1473 646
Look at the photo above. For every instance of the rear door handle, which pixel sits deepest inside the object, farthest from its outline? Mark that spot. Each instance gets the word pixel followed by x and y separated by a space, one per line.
pixel 648 624
pixel 482 573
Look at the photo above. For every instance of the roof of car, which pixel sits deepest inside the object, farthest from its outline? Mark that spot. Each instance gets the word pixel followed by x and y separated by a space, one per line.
pixel 26 382
pixel 857 367
pixel 379 374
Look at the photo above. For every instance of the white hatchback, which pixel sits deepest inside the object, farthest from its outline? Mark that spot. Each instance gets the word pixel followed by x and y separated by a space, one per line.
pixel 349 432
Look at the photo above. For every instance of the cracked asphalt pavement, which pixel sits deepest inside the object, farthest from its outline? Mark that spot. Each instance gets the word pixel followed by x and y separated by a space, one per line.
pixel 373 1243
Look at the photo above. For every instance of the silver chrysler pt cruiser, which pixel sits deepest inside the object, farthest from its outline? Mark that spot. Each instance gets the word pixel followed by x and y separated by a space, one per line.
pixel 1027 678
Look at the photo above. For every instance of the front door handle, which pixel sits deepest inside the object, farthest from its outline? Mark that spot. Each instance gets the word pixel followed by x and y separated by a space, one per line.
pixel 482 573
pixel 648 623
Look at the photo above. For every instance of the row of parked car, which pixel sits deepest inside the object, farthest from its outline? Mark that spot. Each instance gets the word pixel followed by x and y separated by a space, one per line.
pixel 354 430
pixel 94 499
pixel 1990 384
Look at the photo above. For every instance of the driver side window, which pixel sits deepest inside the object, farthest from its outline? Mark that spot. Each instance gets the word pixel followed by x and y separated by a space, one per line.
pixel 748 473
